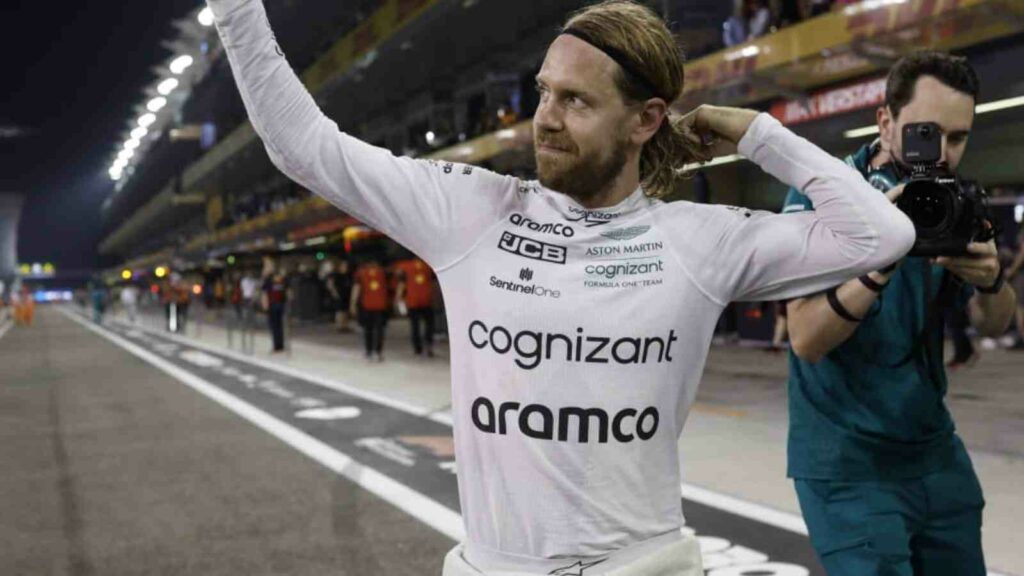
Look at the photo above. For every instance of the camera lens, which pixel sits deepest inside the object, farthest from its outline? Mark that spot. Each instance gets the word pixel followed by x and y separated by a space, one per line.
pixel 925 131
pixel 930 206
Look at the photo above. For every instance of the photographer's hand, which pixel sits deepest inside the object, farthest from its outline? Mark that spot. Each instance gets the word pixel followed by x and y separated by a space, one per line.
pixel 994 311
pixel 980 267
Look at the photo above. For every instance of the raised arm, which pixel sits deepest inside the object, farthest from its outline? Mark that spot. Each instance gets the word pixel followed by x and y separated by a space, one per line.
pixel 436 210
pixel 736 254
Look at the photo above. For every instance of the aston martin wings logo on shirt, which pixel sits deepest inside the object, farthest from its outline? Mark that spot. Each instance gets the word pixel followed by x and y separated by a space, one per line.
pixel 626 233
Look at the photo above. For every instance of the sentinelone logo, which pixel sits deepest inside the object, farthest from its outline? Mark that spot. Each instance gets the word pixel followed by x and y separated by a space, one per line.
pixel 527 289
pixel 531 348
pixel 539 421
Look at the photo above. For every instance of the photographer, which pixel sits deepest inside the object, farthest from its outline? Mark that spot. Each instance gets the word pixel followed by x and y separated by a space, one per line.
pixel 884 483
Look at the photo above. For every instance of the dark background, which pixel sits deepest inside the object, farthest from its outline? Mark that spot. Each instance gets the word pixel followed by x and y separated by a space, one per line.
pixel 72 72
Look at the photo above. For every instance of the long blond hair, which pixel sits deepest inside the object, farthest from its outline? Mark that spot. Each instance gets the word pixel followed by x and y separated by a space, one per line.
pixel 654 60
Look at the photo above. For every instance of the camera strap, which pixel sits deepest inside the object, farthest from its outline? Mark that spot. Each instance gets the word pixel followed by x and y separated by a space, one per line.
pixel 932 320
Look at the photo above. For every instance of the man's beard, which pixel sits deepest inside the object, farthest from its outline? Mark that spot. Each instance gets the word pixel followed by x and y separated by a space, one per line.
pixel 580 178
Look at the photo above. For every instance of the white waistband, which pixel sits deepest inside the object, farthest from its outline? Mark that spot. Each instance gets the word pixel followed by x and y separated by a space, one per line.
pixel 484 560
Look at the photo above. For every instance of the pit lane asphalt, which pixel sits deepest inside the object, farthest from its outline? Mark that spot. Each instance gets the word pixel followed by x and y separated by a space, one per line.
pixel 112 467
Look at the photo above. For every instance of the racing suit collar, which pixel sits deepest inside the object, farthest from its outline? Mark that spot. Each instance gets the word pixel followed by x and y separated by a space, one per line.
pixel 569 207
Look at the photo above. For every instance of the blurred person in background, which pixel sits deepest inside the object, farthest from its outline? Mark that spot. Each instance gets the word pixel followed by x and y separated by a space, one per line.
pixel 24 305
pixel 250 286
pixel 274 301
pixel 99 297
pixel 752 19
pixel 416 292
pixel 885 484
pixel 599 376
pixel 338 285
pixel 130 302
pixel 370 304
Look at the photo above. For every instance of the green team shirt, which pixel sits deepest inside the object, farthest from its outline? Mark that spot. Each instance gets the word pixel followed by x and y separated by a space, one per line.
pixel 873 407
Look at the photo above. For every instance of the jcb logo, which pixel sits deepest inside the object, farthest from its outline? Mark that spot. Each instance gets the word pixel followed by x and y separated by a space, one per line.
pixel 532 249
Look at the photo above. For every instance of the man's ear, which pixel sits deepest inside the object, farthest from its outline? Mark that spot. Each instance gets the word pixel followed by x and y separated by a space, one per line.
pixel 886 127
pixel 653 114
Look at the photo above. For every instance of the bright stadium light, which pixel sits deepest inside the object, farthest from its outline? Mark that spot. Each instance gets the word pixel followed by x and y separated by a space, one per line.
pixel 156 104
pixel 167 86
pixel 861 132
pixel 115 174
pixel 1000 105
pixel 180 64
pixel 124 156
pixel 206 17
pixel 139 133
pixel 132 144
pixel 147 120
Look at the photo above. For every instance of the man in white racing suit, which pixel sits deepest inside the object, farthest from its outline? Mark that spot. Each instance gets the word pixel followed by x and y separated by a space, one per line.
pixel 580 307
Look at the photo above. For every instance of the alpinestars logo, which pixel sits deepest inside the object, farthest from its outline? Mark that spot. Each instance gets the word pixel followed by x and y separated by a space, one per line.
pixel 576 569
pixel 532 249
pixel 590 218
pixel 629 233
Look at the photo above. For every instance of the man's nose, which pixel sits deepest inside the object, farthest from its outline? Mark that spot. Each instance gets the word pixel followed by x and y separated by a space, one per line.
pixel 547 117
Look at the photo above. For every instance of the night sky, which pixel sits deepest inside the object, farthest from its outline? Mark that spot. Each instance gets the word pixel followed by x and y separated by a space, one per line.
pixel 72 72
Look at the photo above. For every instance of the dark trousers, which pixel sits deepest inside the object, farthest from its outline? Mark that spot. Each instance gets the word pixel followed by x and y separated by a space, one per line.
pixel 958 321
pixel 422 322
pixel 275 316
pixel 928 526
pixel 373 330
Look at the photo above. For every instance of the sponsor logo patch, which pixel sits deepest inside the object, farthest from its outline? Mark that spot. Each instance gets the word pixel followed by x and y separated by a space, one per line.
pixel 532 249
pixel 555 229
pixel 590 218
pixel 629 233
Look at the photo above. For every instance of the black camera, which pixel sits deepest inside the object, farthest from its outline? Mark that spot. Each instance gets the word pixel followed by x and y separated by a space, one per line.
pixel 948 213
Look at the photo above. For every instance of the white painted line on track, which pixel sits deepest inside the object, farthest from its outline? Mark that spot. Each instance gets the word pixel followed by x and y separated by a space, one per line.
pixel 5 328
pixel 763 514
pixel 422 508
pixel 301 374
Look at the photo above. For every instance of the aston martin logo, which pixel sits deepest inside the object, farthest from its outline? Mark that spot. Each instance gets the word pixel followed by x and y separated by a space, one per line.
pixel 576 569
pixel 626 233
